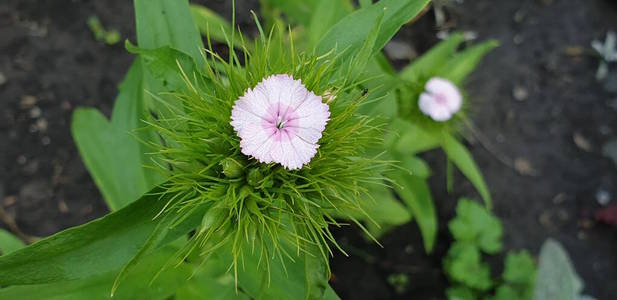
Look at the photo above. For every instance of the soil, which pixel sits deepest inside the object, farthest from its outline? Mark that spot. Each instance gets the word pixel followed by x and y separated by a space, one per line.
pixel 541 119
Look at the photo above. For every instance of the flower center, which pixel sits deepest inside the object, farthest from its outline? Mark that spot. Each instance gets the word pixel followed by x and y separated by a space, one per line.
pixel 440 98
pixel 280 123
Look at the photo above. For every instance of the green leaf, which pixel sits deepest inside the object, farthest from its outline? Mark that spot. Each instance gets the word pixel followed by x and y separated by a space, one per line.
pixel 431 61
pixel 350 33
pixel 460 292
pixel 557 278
pixel 139 284
pixel 417 196
pixel 167 66
pixel 109 150
pixel 414 165
pixel 9 242
pixel 211 24
pixel 381 100
pixel 327 13
pixel 519 268
pixel 463 160
pixel 407 138
pixel 365 53
pixel 384 209
pixel 297 11
pixel 306 277
pixel 475 225
pixel 94 248
pixel 458 67
pixel 463 264
pixel 111 155
pixel 167 23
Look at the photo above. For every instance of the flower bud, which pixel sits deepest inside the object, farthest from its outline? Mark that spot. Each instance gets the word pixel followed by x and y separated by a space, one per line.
pixel 232 168
pixel 254 177
pixel 214 218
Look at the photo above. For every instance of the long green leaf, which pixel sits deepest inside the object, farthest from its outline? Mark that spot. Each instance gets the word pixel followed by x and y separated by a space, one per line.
pixel 94 248
pixel 349 34
pixel 138 284
pixel 408 138
pixel 459 66
pixel 211 24
pixel 9 242
pixel 432 60
pixel 109 151
pixel 416 194
pixel 327 13
pixel 463 160
pixel 167 23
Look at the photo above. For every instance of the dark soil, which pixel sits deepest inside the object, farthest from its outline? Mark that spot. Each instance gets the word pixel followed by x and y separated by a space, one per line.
pixel 544 166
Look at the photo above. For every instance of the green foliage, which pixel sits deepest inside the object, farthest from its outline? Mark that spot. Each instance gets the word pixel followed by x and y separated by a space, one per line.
pixel 475 225
pixel 286 206
pixel 462 159
pixel 557 278
pixel 350 32
pixel 109 151
pixel 416 195
pixel 476 233
pixel 80 252
pixel 9 242
pixel 110 37
pixel 214 26
pixel 399 281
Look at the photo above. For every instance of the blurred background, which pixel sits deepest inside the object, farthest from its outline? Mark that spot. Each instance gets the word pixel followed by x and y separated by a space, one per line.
pixel 545 122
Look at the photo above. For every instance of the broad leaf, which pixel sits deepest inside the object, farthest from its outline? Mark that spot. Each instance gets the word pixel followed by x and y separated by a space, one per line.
pixel 476 226
pixel 216 27
pixel 94 248
pixel 557 278
pixel 109 150
pixel 350 33
pixel 9 242
pixel 306 277
pixel 417 196
pixel 462 159
pixel 139 284
pixel 407 138
pixel 327 13
pixel 168 66
pixel 167 23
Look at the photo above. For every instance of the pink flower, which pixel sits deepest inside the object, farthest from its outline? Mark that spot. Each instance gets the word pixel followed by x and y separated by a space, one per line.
pixel 280 121
pixel 440 100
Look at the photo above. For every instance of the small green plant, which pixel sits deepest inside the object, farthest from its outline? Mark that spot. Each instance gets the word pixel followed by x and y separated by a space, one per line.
pixel 478 233
pixel 109 37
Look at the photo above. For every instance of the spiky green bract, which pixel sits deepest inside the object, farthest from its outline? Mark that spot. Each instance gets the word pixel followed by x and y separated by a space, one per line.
pixel 265 208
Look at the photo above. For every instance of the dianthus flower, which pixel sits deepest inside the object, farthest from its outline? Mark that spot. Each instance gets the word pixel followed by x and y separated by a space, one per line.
pixel 280 121
pixel 440 100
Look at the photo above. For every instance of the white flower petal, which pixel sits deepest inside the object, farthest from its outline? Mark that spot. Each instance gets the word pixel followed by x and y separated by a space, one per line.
pixel 280 121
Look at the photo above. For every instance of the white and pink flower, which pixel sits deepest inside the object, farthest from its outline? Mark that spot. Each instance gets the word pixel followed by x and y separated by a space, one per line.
pixel 441 99
pixel 280 121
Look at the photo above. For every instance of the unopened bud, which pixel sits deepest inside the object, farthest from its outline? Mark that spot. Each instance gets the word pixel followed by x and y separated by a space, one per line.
pixel 232 168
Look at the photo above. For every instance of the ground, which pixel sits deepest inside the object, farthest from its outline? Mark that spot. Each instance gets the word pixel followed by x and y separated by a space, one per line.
pixel 540 121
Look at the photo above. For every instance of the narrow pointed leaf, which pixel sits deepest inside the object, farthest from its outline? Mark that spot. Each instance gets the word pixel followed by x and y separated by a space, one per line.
pixel 462 159
pixel 462 64
pixel 417 196
pixel 432 60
